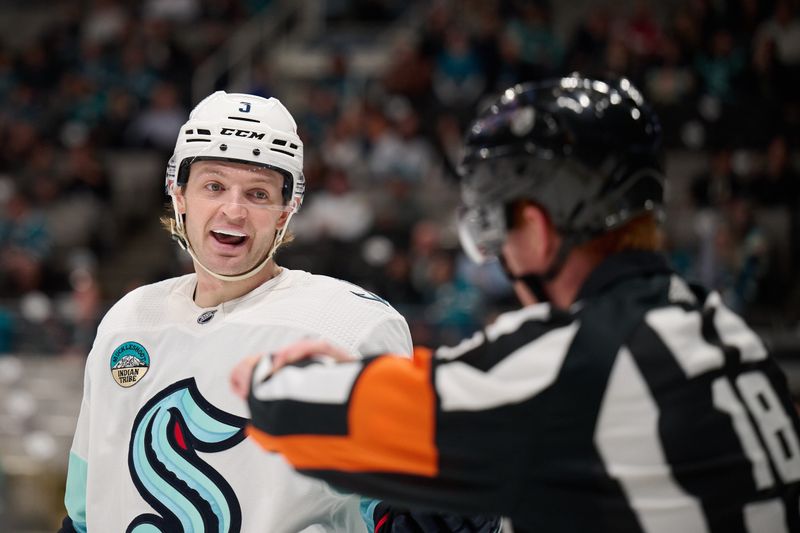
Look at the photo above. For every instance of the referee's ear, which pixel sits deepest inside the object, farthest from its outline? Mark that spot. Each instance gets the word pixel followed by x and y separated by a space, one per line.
pixel 532 242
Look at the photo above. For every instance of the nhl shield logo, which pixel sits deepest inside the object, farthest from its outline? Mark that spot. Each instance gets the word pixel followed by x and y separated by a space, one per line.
pixel 129 363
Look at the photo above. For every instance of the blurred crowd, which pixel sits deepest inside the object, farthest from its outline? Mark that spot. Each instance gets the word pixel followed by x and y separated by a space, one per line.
pixel 110 76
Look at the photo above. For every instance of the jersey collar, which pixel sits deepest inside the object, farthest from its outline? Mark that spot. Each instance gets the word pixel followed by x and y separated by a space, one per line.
pixel 620 266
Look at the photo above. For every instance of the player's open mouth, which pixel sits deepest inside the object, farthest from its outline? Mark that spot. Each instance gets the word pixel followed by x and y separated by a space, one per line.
pixel 230 237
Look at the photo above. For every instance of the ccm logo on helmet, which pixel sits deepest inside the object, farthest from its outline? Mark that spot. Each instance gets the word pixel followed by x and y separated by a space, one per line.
pixel 242 133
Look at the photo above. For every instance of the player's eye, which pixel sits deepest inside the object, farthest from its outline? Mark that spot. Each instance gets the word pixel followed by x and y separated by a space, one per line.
pixel 259 195
pixel 213 186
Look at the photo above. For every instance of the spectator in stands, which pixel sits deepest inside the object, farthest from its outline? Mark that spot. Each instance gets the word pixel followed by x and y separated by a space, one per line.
pixel 487 23
pixel 779 184
pixel 86 310
pixel 337 212
pixel 778 187
pixel 417 161
pixel 343 146
pixel 453 305
pixel 671 85
pixel 783 29
pixel 8 75
pixel 409 72
pixel 24 243
pixel 587 48
pixel 767 92
pixel 744 255
pixel 394 283
pixel 81 211
pixel 530 32
pixel 385 156
pixel 458 78
pixel 719 184
pixel 34 69
pixel 120 108
pixel 85 173
pixel 158 124
pixel 642 32
pixel 105 21
pixel 426 241
pixel 135 74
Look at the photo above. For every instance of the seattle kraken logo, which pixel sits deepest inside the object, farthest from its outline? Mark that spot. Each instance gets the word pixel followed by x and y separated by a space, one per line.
pixel 189 495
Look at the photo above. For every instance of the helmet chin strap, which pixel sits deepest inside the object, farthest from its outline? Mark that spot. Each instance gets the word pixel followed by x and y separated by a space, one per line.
pixel 179 234
pixel 536 282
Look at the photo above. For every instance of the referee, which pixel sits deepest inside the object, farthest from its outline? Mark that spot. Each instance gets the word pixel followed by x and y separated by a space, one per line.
pixel 619 398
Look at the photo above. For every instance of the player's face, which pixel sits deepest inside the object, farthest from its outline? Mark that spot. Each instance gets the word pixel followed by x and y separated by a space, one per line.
pixel 232 213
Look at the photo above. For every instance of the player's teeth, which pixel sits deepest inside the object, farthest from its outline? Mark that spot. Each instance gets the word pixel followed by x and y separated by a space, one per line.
pixel 230 233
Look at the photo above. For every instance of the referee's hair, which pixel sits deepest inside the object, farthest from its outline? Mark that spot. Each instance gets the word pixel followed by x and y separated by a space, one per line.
pixel 640 233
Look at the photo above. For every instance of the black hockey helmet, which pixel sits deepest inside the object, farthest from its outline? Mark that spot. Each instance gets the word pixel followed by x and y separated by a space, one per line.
pixel 587 151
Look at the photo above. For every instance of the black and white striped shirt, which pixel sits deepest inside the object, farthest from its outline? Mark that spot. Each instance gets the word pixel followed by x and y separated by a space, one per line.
pixel 647 407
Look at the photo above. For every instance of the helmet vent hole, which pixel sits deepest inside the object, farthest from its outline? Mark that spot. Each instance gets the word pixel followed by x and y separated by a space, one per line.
pixel 256 151
pixel 203 132
pixel 223 147
pixel 279 142
pixel 282 152
pixel 245 119
pixel 189 132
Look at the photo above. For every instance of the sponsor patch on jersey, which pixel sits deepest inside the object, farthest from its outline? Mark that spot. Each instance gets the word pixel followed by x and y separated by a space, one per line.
pixel 129 363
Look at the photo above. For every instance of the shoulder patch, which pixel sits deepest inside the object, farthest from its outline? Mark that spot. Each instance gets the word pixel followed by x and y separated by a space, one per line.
pixel 129 363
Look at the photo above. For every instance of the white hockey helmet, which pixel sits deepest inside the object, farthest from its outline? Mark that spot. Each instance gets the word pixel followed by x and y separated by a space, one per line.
pixel 240 128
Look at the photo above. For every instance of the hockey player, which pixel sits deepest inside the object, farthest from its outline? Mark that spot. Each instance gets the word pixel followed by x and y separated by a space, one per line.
pixel 160 443
pixel 619 399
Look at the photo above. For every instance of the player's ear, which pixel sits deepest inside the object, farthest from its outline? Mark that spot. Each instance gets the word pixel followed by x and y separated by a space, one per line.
pixel 180 200
pixel 282 220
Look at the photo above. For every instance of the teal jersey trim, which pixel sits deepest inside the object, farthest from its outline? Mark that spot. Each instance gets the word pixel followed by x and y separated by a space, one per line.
pixel 367 507
pixel 75 495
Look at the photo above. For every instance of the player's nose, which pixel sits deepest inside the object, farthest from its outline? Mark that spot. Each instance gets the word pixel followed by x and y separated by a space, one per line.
pixel 234 210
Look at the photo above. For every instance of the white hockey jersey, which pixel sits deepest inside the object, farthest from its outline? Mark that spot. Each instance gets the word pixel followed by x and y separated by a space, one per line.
pixel 160 442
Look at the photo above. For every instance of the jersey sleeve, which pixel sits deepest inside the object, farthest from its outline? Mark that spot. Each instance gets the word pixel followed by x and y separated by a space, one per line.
pixel 430 432
pixel 390 335
pixel 75 494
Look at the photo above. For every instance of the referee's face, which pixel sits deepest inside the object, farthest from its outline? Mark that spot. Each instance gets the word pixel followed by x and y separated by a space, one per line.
pixel 531 241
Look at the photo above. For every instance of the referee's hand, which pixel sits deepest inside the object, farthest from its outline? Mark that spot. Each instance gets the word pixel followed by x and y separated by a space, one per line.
pixel 306 349
pixel 242 375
